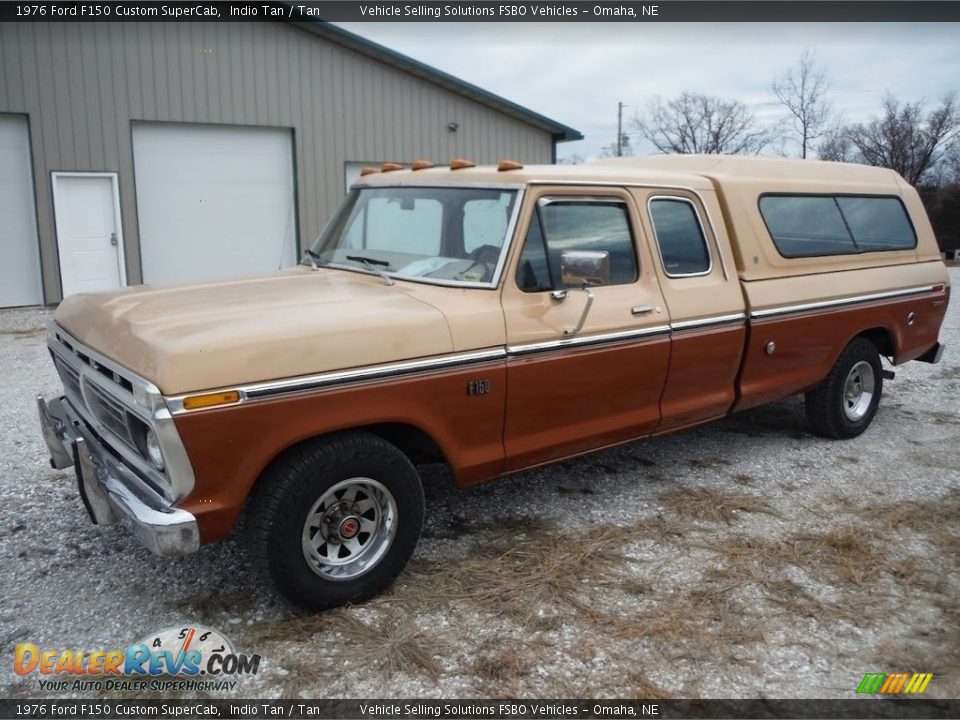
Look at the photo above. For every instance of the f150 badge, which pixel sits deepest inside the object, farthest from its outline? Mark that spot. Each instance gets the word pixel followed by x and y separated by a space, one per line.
pixel 478 387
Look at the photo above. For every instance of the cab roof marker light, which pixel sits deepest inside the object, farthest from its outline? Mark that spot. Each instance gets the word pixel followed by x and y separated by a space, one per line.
pixel 368 171
pixel 505 165
pixel 421 165
pixel 208 400
pixel 461 163
pixel 390 167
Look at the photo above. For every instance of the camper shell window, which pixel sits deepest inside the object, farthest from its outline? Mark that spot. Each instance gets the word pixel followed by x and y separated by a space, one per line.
pixel 818 225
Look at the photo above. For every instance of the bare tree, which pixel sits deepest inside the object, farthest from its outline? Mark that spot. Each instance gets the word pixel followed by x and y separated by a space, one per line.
pixel 575 159
pixel 837 146
pixel 802 91
pixel 904 140
pixel 694 123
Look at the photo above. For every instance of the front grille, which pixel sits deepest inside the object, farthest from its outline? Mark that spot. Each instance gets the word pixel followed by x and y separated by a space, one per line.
pixel 70 378
pixel 108 411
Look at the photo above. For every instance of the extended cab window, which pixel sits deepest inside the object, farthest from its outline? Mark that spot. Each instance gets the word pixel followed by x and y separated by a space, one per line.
pixel 809 226
pixel 576 224
pixel 679 234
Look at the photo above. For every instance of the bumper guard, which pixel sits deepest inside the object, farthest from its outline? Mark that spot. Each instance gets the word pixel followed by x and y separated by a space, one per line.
pixel 110 491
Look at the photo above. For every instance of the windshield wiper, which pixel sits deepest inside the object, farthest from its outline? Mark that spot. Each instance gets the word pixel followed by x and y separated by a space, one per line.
pixel 312 257
pixel 371 264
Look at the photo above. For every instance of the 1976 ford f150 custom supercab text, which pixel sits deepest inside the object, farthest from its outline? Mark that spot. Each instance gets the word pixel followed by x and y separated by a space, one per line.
pixel 494 319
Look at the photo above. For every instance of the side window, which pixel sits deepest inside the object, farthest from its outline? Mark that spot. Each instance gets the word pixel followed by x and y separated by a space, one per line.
pixel 679 235
pixel 878 223
pixel 808 226
pixel 533 273
pixel 597 225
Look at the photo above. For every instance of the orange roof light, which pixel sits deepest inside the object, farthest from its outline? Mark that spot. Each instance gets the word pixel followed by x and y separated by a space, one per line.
pixel 390 167
pixel 421 165
pixel 461 163
pixel 368 171
pixel 509 165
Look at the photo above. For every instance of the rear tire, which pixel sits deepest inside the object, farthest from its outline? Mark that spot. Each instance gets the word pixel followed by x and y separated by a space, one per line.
pixel 335 521
pixel 846 403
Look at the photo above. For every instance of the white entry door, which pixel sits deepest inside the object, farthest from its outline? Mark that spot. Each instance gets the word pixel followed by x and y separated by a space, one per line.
pixel 90 245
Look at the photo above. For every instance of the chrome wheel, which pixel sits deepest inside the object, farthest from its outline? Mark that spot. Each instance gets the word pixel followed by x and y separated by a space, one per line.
pixel 858 391
pixel 349 529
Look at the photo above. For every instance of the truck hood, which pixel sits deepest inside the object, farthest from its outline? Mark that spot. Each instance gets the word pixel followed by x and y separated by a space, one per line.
pixel 285 324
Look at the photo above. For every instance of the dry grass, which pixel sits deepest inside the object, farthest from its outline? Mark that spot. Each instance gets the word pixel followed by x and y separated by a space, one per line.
pixel 692 624
pixel 711 505
pixel 501 671
pixel 640 687
pixel 838 556
pixel 525 578
pixel 543 572
pixel 391 643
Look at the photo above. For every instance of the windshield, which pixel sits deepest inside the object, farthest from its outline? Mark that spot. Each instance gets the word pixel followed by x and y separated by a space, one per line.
pixel 446 235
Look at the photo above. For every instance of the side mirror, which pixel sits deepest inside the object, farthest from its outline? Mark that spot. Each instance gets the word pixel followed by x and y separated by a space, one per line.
pixel 582 268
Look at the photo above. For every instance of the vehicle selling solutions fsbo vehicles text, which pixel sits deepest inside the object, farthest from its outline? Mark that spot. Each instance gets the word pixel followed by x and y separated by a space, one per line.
pixel 508 10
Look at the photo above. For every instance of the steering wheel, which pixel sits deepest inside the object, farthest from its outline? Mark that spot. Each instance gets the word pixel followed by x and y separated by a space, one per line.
pixel 486 254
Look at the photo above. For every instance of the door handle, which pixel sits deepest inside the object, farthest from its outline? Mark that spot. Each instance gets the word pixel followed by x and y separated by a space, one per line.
pixel 113 239
pixel 642 309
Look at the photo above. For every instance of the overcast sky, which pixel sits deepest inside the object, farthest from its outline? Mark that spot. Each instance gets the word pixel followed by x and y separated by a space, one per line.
pixel 576 73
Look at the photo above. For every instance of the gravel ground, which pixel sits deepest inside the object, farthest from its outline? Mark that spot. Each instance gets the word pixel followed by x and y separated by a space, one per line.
pixel 746 558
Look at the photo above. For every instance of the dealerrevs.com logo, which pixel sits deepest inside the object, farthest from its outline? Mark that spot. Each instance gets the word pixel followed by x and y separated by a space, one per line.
pixel 187 658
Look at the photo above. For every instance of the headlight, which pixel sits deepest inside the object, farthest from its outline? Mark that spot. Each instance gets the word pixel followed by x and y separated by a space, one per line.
pixel 153 450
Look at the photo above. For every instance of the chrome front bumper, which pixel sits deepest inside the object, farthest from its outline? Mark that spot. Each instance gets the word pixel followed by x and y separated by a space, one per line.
pixel 110 491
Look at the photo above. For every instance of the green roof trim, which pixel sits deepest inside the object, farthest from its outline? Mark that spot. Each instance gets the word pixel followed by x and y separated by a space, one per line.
pixel 559 131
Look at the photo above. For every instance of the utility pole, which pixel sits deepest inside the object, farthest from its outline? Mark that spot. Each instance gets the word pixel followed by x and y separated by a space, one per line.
pixel 619 129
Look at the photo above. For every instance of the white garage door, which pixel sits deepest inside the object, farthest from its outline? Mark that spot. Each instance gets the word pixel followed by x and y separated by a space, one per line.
pixel 213 201
pixel 19 251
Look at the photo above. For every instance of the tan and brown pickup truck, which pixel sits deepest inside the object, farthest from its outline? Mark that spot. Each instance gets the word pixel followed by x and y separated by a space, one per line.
pixel 494 319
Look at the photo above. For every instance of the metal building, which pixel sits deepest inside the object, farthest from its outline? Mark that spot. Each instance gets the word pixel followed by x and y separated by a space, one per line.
pixel 165 152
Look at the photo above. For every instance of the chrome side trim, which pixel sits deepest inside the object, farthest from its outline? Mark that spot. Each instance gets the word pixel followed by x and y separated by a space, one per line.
pixel 708 321
pixel 265 390
pixel 257 391
pixel 588 340
pixel 849 300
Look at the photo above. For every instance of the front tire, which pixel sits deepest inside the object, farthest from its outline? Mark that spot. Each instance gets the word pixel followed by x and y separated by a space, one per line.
pixel 846 403
pixel 335 521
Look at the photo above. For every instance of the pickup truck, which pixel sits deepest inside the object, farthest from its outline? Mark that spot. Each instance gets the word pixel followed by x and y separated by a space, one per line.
pixel 492 318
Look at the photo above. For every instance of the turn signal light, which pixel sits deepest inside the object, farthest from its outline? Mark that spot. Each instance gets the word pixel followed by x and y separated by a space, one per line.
pixel 390 167
pixel 461 163
pixel 368 171
pixel 421 165
pixel 509 165
pixel 195 402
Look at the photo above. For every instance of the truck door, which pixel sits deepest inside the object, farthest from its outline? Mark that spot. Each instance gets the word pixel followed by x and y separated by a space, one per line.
pixel 703 295
pixel 585 367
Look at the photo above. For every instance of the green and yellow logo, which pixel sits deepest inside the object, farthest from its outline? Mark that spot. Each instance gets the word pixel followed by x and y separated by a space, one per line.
pixel 894 683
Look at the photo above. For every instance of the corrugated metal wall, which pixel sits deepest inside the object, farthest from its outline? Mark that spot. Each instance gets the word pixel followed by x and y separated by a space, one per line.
pixel 83 84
